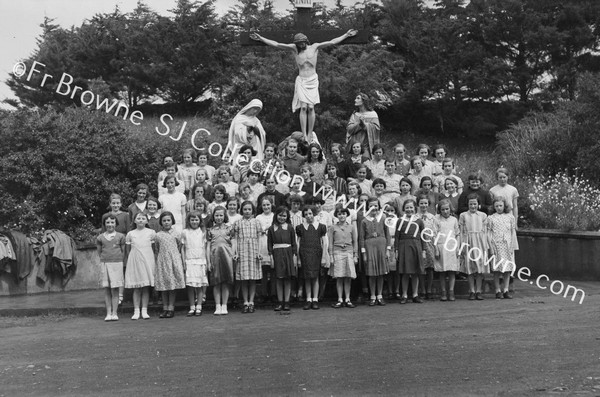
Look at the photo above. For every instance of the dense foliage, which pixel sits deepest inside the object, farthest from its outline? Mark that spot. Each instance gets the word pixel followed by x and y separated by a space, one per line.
pixel 451 63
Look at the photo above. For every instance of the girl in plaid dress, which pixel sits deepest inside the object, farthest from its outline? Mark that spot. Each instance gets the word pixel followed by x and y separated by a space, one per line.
pixel 246 232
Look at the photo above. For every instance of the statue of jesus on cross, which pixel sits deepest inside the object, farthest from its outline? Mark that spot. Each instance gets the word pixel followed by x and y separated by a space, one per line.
pixel 306 91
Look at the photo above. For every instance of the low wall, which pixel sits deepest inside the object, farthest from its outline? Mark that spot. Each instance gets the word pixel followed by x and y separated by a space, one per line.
pixel 86 277
pixel 560 255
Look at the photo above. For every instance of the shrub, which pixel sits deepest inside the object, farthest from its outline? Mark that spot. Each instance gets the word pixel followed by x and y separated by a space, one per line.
pixel 58 169
pixel 566 203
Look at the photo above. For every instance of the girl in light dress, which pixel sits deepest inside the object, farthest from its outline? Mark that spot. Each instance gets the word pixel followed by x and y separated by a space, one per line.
pixel 139 272
pixel 220 259
pixel 168 272
pixel 502 235
pixel 179 185
pixel 445 227
pixel 187 170
pixel 427 218
pixel 281 245
pixel 474 263
pixel 417 172
pixel 174 202
pixel 246 234
pixel 193 241
pixel 233 206
pixel 224 178
pixel 509 192
pixel 265 219
pixel 203 165
pixel 111 246
pixel 377 163
pixel 219 198
pixel 361 178
pixel 423 151
pixel 343 254
pixel 317 162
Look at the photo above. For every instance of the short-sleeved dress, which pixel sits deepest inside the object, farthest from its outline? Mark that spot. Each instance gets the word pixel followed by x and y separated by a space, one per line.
pixel 342 245
pixel 375 239
pixel 509 192
pixel 265 222
pixel 168 272
pixel 310 250
pixel 281 244
pixel 503 240
pixel 139 271
pixel 194 243
pixel 427 219
pixel 445 230
pixel 173 202
pixel 221 254
pixel 247 232
pixel 473 232
pixel 409 245
pixel 111 248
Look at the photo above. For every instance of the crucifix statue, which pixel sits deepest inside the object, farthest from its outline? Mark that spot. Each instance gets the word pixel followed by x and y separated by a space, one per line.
pixel 306 90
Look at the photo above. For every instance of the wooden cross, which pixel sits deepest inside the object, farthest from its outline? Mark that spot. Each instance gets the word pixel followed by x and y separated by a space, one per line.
pixel 303 25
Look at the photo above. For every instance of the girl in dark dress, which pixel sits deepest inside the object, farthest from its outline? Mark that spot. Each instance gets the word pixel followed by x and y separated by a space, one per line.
pixel 281 244
pixel 312 239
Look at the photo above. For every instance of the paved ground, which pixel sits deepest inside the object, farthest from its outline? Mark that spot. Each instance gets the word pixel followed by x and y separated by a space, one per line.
pixel 536 344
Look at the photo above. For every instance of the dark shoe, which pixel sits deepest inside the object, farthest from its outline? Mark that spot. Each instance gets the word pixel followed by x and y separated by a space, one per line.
pixel 286 307
pixel 443 298
pixel 372 302
pixel 350 305
pixel 451 297
pixel 198 312
pixel 499 295
pixel 337 305
pixel 315 305
pixel 398 297
pixel 163 314
pixel 251 308
pixel 479 296
pixel 427 296
pixel 507 295
pixel 170 314
pixel 246 309
pixel 403 300
pixel 307 306
pixel 279 307
pixel 380 302
pixel 471 296
pixel 417 299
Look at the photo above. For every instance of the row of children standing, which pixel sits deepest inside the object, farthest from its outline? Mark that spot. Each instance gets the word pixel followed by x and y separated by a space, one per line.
pixel 178 204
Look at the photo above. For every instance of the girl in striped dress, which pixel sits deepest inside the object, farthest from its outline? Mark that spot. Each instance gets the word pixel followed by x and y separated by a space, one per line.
pixel 246 233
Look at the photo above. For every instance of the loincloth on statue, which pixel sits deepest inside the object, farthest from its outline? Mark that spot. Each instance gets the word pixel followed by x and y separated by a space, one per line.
pixel 306 90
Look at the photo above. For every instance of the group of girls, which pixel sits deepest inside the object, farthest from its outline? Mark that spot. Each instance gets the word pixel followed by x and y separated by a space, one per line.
pixel 234 225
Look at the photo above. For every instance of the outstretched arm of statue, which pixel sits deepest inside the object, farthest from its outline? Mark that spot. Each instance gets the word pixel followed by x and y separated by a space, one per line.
pixel 337 40
pixel 272 43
